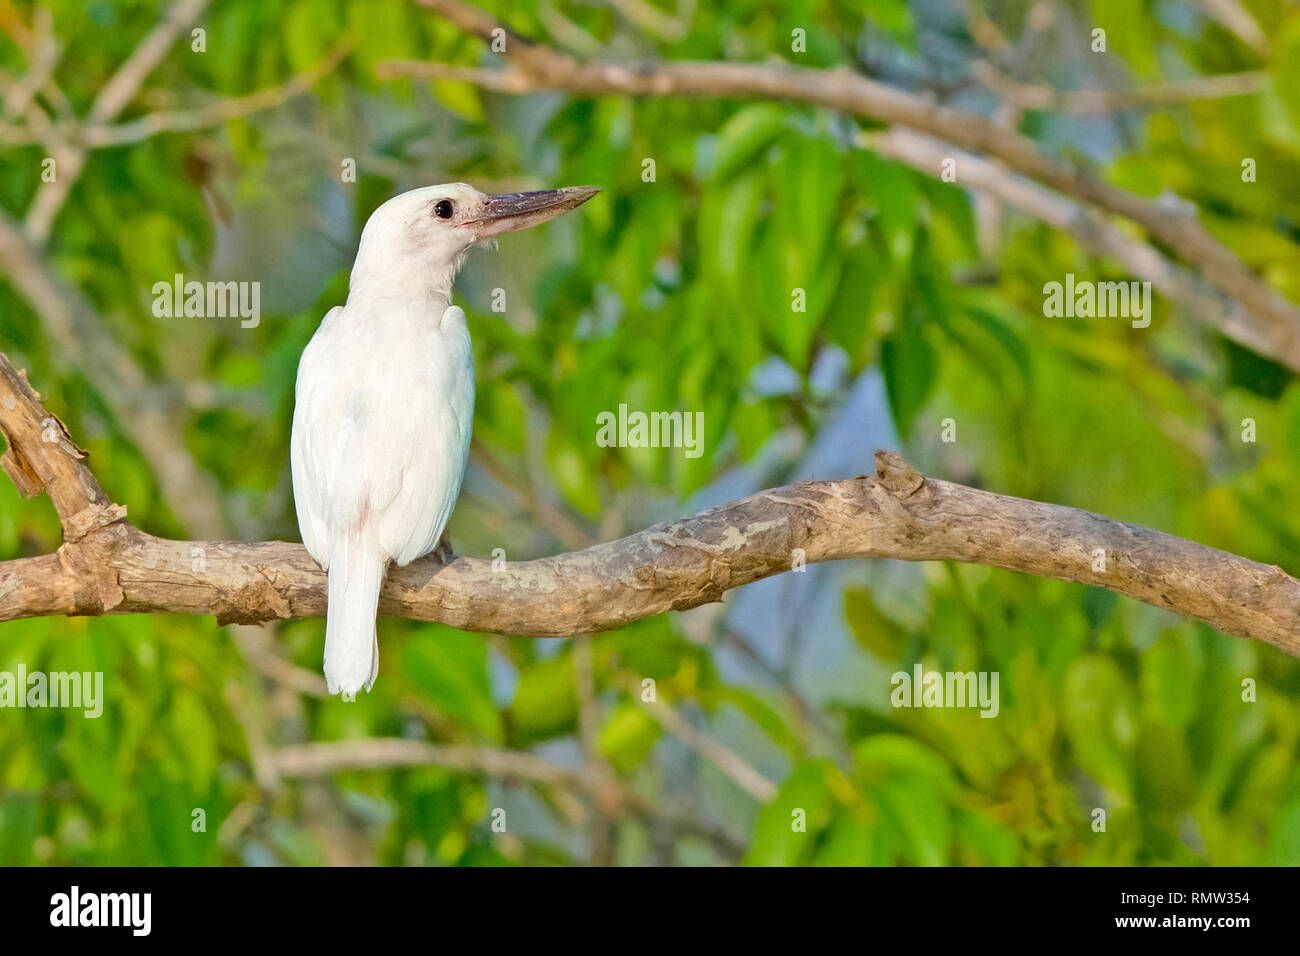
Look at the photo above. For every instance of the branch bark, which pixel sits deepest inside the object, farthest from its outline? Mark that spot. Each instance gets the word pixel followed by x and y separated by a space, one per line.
pixel 106 565
pixel 1274 321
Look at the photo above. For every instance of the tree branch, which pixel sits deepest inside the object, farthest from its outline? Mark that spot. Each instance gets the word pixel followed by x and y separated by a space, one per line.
pixel 219 111
pixel 106 565
pixel 112 98
pixel 72 322
pixel 531 67
pixel 1095 232
pixel 1031 96
pixel 1238 20
pixel 322 759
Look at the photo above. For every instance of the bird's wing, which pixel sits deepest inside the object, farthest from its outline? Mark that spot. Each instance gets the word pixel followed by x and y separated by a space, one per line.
pixel 308 441
pixel 440 414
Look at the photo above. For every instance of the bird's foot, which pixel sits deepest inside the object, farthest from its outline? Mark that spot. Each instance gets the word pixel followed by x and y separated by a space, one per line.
pixel 443 553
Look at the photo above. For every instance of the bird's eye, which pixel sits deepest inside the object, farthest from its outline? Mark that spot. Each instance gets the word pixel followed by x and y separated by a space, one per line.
pixel 443 209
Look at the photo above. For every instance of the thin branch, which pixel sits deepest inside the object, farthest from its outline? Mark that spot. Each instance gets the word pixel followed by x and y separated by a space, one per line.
pixel 1029 96
pixel 676 565
pixel 1238 21
pixel 805 712
pixel 43 55
pixel 651 19
pixel 720 755
pixel 531 67
pixel 566 530
pixel 122 86
pixel 1093 231
pixel 321 759
pixel 98 136
pixel 112 98
pixel 218 112
pixel 604 833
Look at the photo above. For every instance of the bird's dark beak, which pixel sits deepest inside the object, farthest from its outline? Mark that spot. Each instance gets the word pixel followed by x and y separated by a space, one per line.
pixel 509 212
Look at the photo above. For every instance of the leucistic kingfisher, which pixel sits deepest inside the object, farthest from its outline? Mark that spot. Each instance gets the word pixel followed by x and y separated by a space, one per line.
pixel 384 403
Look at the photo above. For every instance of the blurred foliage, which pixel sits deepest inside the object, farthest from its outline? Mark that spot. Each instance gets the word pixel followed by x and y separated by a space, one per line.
pixel 677 294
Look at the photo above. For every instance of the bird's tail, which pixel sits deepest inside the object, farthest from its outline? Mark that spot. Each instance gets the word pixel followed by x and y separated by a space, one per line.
pixel 351 647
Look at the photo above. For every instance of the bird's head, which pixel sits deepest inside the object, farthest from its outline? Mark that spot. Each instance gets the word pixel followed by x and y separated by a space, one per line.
pixel 428 231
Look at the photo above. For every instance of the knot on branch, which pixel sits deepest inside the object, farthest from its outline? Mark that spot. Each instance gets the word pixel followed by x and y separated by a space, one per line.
pixel 92 518
pixel 896 475
pixel 98 589
pixel 253 603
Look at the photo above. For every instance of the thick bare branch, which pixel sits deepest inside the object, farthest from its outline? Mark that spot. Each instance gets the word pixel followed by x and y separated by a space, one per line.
pixel 676 565
pixel 42 457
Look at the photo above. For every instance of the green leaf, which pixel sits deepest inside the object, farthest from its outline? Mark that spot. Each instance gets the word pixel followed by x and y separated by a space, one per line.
pixel 894 756
pixel 628 736
pixel 788 826
pixel 749 130
pixel 910 366
pixel 1285 64
pixel 1100 723
pixel 1169 681
pixel 851 841
pixel 196 738
pixel 545 702
pixel 449 669
pixel 881 635
pixel 919 816
pixel 1166 780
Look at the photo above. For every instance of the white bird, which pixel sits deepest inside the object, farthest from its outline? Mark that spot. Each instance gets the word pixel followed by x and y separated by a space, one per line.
pixel 384 403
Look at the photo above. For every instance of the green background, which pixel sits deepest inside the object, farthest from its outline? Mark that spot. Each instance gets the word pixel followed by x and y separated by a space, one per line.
pixel 675 294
